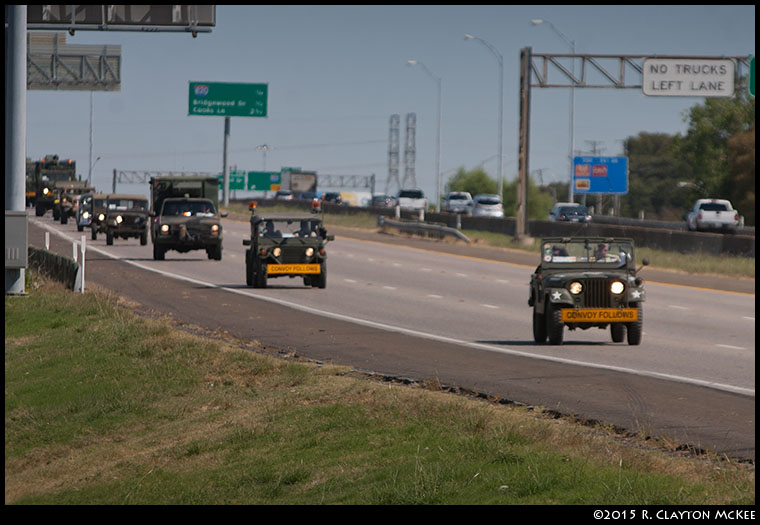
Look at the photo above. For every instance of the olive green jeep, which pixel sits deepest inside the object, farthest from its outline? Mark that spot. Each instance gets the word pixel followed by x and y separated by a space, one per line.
pixel 585 282
pixel 290 245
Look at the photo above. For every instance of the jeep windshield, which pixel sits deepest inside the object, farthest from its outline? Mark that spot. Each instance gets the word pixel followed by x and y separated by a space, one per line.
pixel 288 228
pixel 586 252
pixel 127 204
pixel 199 208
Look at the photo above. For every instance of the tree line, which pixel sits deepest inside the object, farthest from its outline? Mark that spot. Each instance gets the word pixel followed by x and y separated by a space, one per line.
pixel 715 158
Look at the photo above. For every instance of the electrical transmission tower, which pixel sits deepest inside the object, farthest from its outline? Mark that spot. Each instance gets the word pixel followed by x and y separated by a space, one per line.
pixel 393 147
pixel 410 152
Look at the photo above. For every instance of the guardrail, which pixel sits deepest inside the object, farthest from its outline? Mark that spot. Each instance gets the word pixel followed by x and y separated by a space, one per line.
pixel 417 227
pixel 657 237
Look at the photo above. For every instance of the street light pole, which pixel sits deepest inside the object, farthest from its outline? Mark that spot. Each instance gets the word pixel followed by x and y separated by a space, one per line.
pixel 571 44
pixel 438 137
pixel 263 148
pixel 500 59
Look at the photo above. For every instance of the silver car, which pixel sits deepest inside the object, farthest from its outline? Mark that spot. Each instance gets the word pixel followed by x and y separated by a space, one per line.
pixel 487 205
pixel 458 202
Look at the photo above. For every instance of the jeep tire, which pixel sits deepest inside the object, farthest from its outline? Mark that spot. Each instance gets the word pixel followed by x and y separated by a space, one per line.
pixel 554 325
pixel 635 329
pixel 539 327
pixel 618 332
pixel 109 238
pixel 158 253
pixel 144 238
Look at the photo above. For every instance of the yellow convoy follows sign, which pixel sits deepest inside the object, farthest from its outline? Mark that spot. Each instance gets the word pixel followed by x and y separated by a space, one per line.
pixel 293 268
pixel 597 315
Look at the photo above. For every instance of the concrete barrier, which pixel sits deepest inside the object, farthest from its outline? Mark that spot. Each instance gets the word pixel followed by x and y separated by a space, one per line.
pixel 58 267
pixel 655 236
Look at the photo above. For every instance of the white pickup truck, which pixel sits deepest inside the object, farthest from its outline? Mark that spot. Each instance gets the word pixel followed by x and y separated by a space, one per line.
pixel 412 199
pixel 712 215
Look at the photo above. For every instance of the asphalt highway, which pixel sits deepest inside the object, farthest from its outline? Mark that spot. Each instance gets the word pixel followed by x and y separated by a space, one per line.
pixel 422 309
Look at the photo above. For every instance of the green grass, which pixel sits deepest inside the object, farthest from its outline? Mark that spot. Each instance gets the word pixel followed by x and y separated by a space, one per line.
pixel 105 407
pixel 698 263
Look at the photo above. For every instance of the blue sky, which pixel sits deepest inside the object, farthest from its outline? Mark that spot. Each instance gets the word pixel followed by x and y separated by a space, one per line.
pixel 336 74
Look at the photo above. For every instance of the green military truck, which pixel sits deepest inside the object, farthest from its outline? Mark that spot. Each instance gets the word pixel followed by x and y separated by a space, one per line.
pixel 66 202
pixel 281 245
pixel 41 177
pixel 185 216
pixel 587 282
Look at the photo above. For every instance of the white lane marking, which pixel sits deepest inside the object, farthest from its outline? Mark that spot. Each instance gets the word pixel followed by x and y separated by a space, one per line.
pixel 490 306
pixel 749 318
pixel 502 281
pixel 416 333
pixel 677 307
pixel 396 264
pixel 433 296
pixel 426 269
pixel 389 287
pixel 461 274
pixel 349 280
pixel 731 347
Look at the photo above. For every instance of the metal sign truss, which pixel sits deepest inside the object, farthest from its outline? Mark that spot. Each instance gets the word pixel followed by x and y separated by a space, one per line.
pixel 347 181
pixel 602 71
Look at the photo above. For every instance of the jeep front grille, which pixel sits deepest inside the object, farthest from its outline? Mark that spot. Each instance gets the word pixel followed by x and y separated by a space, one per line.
pixel 293 255
pixel 597 293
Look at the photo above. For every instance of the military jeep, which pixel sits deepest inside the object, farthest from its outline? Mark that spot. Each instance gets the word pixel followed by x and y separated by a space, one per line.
pixel 99 209
pixel 66 203
pixel 585 282
pixel 185 224
pixel 126 216
pixel 290 245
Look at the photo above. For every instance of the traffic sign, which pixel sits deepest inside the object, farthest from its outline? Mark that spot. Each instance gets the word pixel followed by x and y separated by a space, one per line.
pixel 237 180
pixel 682 77
pixel 600 175
pixel 264 180
pixel 228 99
pixel 751 84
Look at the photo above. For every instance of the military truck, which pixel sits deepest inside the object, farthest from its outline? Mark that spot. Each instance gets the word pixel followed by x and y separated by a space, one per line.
pixel 585 282
pixel 291 245
pixel 126 216
pixel 185 215
pixel 98 209
pixel 40 179
pixel 66 202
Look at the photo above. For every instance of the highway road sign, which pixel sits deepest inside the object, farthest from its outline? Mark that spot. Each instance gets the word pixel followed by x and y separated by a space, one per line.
pixel 237 180
pixel 227 99
pixel 600 175
pixel 682 77
pixel 264 180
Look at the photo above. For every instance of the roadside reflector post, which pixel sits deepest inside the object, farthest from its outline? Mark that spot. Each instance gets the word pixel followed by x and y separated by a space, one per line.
pixel 74 246
pixel 47 241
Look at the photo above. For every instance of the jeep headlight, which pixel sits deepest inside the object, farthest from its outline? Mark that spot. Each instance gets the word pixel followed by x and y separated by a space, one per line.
pixel 45 191
pixel 164 228
pixel 85 214
pixel 214 228
pixel 119 219
pixel 276 252
pixel 309 252
pixel 575 288
pixel 617 287
pixel 101 217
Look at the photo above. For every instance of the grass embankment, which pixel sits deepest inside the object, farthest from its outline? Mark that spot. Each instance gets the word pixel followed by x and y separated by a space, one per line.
pixel 105 407
pixel 697 263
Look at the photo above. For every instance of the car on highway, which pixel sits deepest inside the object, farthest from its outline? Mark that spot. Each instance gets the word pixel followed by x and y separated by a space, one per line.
pixel 412 199
pixel 569 212
pixel 383 201
pixel 487 205
pixel 286 245
pixel 712 215
pixel 283 195
pixel 84 211
pixel 587 282
pixel 457 202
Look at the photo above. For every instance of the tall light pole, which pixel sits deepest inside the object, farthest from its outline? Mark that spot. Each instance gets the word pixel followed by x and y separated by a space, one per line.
pixel 263 148
pixel 571 44
pixel 500 59
pixel 438 138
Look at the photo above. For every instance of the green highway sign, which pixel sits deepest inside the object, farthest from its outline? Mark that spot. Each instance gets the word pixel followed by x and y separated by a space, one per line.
pixel 752 77
pixel 264 180
pixel 227 99
pixel 237 180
